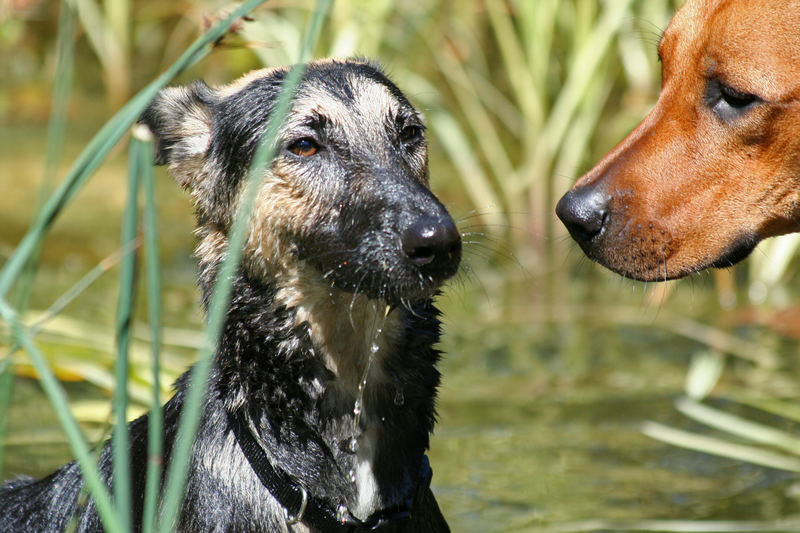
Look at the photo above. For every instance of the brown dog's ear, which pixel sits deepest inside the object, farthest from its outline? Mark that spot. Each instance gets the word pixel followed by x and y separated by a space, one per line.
pixel 182 121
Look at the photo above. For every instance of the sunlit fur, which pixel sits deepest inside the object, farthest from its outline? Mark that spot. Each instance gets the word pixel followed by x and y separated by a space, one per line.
pixel 700 182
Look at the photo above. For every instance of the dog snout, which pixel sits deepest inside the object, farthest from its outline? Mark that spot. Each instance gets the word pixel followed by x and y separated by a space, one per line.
pixel 584 211
pixel 433 245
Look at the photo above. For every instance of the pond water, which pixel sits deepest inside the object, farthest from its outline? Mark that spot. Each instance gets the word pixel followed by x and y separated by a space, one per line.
pixel 547 383
pixel 537 427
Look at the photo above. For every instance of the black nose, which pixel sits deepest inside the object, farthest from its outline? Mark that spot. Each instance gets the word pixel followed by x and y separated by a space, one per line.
pixel 433 245
pixel 584 211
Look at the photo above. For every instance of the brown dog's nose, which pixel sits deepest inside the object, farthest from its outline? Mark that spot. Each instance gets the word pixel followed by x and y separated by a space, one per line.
pixel 584 211
pixel 434 245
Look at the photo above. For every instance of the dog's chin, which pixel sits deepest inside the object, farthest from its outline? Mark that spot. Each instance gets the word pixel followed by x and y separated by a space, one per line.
pixel 672 269
pixel 392 280
pixel 737 251
pixel 395 287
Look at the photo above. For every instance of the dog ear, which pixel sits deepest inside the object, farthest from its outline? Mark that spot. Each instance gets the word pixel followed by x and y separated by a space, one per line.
pixel 182 121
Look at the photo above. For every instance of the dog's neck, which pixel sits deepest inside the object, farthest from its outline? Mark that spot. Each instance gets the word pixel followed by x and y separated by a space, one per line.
pixel 350 332
pixel 293 354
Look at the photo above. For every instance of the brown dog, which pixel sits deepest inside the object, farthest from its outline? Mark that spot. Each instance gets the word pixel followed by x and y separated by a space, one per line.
pixel 715 167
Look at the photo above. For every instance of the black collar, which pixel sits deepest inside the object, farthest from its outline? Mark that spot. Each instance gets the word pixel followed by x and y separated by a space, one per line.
pixel 300 506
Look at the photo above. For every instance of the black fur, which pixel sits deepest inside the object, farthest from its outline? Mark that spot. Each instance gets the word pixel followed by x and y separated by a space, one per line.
pixel 367 198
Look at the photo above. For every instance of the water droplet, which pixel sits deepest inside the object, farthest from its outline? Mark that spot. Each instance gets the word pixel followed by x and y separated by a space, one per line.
pixel 352 475
pixel 375 347
pixel 353 445
pixel 341 514
pixel 357 408
pixel 399 399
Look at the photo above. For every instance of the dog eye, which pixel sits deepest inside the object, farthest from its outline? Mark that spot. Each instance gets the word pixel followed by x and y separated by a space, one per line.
pixel 410 133
pixel 305 147
pixel 729 103
pixel 736 99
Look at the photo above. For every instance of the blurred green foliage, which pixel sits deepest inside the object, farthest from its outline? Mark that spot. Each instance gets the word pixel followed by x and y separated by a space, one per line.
pixel 514 91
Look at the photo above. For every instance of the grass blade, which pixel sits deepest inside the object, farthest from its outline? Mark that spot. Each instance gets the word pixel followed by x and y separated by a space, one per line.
pixel 720 447
pixel 127 281
pixel 456 145
pixel 141 142
pixel 513 56
pixel 81 285
pixel 705 369
pixel 738 426
pixel 56 128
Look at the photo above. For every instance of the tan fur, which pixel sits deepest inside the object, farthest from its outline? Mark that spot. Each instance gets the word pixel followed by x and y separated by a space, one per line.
pixel 193 133
pixel 238 84
pixel 685 185
pixel 345 339
pixel 279 213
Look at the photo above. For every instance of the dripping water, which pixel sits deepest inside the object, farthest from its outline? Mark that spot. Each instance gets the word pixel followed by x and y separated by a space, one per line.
pixel 358 407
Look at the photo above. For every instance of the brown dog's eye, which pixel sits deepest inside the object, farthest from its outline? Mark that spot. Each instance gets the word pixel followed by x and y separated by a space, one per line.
pixel 736 99
pixel 305 147
pixel 729 103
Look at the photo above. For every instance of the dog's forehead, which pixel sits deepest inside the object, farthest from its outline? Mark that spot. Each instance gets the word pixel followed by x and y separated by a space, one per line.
pixel 351 95
pixel 686 24
pixel 758 45
pixel 751 44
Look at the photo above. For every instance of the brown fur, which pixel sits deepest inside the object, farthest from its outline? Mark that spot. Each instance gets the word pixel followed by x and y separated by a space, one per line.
pixel 688 188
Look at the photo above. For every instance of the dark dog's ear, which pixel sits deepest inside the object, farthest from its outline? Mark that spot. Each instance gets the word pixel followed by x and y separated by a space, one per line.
pixel 182 121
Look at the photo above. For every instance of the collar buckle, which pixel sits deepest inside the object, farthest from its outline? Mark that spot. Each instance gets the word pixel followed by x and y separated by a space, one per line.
pixel 298 516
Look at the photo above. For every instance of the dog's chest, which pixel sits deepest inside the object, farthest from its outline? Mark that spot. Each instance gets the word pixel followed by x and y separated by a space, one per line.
pixel 364 475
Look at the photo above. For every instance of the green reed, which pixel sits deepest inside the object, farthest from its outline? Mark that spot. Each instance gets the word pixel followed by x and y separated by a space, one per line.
pixel 127 281
pixel 142 143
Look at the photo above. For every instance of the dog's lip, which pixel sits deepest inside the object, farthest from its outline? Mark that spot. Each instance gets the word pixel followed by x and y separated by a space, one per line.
pixel 393 277
pixel 416 292
pixel 739 249
pixel 416 287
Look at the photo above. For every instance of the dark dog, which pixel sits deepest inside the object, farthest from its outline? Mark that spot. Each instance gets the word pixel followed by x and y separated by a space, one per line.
pixel 346 248
pixel 715 167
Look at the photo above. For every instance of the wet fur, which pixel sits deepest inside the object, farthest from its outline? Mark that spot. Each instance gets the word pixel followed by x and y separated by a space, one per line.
pixel 320 267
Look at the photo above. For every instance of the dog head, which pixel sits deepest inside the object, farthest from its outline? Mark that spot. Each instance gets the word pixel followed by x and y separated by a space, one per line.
pixel 346 194
pixel 715 167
